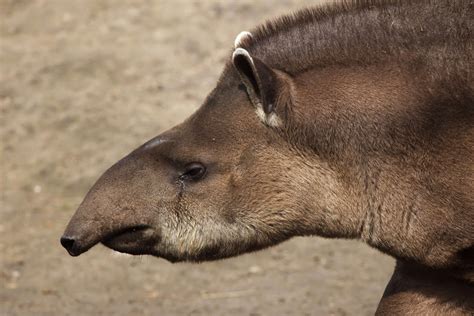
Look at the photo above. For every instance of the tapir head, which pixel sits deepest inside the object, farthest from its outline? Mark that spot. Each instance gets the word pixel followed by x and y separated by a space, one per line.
pixel 224 182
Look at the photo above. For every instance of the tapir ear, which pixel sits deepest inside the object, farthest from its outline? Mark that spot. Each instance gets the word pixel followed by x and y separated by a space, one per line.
pixel 259 79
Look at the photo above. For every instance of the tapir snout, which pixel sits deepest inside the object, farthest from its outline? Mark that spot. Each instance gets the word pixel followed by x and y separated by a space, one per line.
pixel 113 210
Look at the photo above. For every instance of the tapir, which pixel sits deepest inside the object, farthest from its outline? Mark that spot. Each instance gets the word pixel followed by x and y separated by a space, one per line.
pixel 352 119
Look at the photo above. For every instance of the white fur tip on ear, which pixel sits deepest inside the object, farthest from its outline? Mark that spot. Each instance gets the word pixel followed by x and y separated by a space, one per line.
pixel 271 119
pixel 241 37
pixel 240 51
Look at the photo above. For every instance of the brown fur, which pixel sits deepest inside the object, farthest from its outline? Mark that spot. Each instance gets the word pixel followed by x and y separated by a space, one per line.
pixel 416 290
pixel 371 137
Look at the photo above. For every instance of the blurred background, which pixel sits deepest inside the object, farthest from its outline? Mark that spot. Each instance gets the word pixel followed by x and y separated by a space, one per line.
pixel 82 83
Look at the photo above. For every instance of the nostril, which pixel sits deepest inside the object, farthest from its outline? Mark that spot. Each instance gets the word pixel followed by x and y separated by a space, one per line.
pixel 67 242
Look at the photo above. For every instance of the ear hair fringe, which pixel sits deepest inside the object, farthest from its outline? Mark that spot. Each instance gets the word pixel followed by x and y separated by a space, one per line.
pixel 241 51
pixel 241 37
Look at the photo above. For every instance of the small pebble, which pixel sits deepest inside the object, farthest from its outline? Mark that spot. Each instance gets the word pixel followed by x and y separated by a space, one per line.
pixel 37 189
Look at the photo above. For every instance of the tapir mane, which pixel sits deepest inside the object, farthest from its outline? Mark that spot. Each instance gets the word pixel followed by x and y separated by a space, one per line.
pixel 366 32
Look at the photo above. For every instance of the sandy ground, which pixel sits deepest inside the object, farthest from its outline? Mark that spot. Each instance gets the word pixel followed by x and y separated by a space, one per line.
pixel 82 83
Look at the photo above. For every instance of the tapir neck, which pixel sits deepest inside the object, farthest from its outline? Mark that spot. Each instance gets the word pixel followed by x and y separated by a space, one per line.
pixel 397 187
pixel 416 290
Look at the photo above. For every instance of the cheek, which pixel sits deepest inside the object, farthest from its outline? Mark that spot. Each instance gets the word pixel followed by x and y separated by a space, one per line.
pixel 213 199
pixel 259 188
pixel 206 199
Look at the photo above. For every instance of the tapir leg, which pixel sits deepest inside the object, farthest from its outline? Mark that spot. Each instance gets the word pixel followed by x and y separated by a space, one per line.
pixel 415 290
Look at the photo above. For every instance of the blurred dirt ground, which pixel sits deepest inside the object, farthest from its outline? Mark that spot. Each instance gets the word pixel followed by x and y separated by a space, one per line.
pixel 82 83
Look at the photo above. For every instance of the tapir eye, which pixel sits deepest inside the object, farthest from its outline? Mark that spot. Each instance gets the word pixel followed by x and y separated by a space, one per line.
pixel 193 171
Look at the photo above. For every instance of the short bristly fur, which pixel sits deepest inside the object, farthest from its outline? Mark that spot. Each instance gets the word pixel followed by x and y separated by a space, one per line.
pixel 350 120
pixel 369 32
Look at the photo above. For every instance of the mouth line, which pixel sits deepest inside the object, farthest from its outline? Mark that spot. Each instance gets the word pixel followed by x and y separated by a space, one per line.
pixel 126 230
pixel 134 240
pixel 131 230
